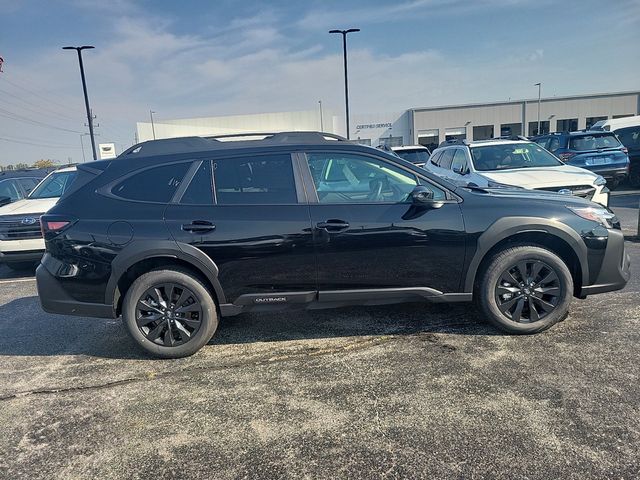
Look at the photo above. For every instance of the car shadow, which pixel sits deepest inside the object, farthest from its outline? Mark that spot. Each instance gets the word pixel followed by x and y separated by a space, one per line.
pixel 28 331
pixel 8 274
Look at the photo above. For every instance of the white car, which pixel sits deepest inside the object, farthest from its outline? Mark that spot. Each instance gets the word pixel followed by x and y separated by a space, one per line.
pixel 519 163
pixel 416 154
pixel 21 243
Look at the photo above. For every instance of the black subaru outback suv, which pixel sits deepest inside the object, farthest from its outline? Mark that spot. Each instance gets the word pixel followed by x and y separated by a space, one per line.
pixel 174 234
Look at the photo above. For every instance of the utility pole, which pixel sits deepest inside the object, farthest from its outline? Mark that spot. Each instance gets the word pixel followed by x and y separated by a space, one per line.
pixel 346 82
pixel 86 96
pixel 153 128
pixel 321 124
pixel 539 85
pixel 84 159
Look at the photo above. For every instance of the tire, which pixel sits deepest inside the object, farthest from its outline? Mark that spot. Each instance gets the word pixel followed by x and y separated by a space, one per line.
pixel 191 313
pixel 613 184
pixel 505 297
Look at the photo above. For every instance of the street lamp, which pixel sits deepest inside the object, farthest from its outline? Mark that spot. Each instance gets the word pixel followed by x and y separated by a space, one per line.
pixel 86 97
pixel 153 128
pixel 321 123
pixel 346 84
pixel 539 85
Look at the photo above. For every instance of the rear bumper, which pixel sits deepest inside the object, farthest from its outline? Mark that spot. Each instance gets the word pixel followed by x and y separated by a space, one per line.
pixel 54 299
pixel 610 172
pixel 615 268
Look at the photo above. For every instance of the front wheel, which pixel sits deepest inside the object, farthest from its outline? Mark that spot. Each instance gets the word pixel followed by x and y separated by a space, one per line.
pixel 169 313
pixel 525 289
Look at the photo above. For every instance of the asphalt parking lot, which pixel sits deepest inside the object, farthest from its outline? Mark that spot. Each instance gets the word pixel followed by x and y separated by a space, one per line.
pixel 396 391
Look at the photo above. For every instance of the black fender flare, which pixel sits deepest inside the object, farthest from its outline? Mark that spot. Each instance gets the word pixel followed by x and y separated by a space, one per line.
pixel 509 226
pixel 143 250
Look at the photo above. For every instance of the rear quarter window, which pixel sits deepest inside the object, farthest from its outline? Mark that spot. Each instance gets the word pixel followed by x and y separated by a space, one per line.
pixel 156 184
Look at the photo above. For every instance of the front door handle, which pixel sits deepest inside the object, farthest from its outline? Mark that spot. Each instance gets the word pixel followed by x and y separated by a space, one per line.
pixel 333 225
pixel 198 226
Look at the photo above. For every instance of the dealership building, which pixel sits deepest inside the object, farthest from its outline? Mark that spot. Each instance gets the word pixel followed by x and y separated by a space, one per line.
pixel 427 126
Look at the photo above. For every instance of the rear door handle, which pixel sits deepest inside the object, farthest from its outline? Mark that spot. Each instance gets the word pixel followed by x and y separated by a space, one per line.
pixel 333 225
pixel 198 226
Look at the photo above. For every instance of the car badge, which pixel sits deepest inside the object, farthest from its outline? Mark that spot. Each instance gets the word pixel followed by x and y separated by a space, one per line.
pixel 29 221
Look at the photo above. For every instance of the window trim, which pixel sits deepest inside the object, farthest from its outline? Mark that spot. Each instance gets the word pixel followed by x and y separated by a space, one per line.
pixel 310 186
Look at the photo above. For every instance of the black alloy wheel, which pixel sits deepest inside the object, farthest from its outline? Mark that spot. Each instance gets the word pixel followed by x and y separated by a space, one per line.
pixel 168 314
pixel 528 291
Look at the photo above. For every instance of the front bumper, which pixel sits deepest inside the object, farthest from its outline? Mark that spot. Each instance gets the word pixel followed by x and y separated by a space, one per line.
pixel 21 256
pixel 615 267
pixel 54 299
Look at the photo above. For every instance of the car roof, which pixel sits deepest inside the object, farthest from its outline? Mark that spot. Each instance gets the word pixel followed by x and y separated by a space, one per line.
pixel 484 143
pixel 65 169
pixel 27 172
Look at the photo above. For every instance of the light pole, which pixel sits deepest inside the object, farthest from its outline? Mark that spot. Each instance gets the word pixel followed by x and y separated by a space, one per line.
pixel 86 96
pixel 321 124
pixel 346 83
pixel 84 159
pixel 153 128
pixel 539 85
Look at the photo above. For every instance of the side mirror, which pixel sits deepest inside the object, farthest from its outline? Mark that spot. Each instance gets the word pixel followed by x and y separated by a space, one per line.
pixel 422 196
pixel 5 201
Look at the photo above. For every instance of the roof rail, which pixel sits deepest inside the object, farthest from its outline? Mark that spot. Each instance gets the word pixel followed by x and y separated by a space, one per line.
pixel 191 144
pixel 285 137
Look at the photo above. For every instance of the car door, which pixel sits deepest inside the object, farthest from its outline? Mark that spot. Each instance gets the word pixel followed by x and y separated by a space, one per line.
pixel 367 232
pixel 248 215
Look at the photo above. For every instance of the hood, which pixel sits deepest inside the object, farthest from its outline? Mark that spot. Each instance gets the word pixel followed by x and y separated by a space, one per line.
pixel 531 195
pixel 543 177
pixel 28 206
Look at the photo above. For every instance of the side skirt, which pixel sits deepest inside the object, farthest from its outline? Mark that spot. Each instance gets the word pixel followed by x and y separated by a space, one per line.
pixel 313 300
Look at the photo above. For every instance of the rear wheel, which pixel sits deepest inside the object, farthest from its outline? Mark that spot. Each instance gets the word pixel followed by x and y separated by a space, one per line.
pixel 169 313
pixel 525 289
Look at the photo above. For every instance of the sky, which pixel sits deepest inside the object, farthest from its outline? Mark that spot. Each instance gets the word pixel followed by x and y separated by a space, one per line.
pixel 210 58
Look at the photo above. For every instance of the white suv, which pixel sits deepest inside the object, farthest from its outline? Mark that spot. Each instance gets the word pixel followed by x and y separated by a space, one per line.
pixel 21 243
pixel 520 163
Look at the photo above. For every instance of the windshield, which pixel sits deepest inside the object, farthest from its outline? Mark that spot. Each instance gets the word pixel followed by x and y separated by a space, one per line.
pixel 512 155
pixel 414 156
pixel 54 185
pixel 593 142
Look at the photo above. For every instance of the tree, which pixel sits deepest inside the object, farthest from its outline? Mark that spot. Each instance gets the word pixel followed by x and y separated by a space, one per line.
pixel 42 163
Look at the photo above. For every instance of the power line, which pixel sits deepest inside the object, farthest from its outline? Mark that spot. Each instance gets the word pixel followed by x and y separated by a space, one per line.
pixel 21 87
pixel 37 144
pixel 21 118
pixel 41 110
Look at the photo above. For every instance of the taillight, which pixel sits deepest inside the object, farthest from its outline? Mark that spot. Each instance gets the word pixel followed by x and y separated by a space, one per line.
pixel 54 224
pixel 566 156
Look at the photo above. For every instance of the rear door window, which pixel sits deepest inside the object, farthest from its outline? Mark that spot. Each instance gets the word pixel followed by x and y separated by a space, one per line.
pixel 8 188
pixel 459 163
pixel 157 184
pixel 255 180
pixel 28 184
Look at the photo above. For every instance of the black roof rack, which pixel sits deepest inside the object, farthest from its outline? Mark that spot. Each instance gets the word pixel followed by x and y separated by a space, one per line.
pixel 191 144
pixel 453 141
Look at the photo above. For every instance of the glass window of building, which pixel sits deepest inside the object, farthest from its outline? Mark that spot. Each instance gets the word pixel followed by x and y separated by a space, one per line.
pixel 592 120
pixel 483 132
pixel 457 133
pixel 391 141
pixel 544 128
pixel 567 125
pixel 510 129
pixel 429 138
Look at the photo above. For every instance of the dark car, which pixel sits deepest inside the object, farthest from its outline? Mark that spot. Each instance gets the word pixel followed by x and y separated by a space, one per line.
pixel 174 234
pixel 600 152
pixel 17 184
pixel 630 138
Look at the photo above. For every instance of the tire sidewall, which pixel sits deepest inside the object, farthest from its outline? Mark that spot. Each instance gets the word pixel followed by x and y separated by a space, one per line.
pixel 499 264
pixel 209 313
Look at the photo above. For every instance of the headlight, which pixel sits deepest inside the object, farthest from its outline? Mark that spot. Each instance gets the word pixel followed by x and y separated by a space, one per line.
pixel 600 215
pixel 599 181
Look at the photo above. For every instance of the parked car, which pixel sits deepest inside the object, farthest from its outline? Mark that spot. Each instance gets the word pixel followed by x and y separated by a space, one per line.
pixel 416 154
pixel 17 184
pixel 600 152
pixel 628 131
pixel 21 242
pixel 175 233
pixel 517 162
